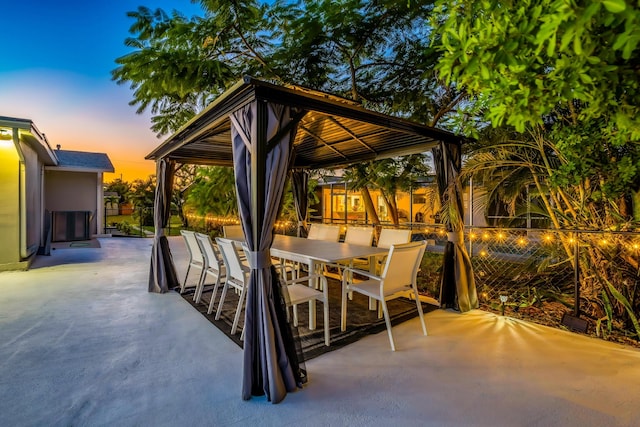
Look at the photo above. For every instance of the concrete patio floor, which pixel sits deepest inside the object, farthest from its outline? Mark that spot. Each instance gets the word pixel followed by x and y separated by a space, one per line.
pixel 82 342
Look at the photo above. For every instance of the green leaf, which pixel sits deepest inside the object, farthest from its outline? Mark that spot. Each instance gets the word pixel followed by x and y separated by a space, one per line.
pixel 566 39
pixel 551 47
pixel 630 46
pixel 484 72
pixel 586 78
pixel 627 305
pixel 577 45
pixel 614 6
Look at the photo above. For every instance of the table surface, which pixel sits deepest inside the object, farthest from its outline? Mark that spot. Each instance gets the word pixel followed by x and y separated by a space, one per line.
pixel 301 249
pixel 305 250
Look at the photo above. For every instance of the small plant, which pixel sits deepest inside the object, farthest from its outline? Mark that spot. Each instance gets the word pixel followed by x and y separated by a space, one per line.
pixel 125 227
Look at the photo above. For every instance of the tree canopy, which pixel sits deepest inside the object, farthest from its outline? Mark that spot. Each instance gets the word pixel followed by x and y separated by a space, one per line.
pixel 377 53
pixel 524 59
pixel 374 52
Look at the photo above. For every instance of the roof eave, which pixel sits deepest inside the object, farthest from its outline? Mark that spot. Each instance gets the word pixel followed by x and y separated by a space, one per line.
pixel 210 115
pixel 30 134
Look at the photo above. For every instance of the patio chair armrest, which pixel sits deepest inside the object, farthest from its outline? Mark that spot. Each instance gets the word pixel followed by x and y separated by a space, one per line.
pixel 307 278
pixel 348 270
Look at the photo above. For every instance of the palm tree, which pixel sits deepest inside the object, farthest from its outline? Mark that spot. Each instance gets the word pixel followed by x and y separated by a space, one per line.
pixel 507 162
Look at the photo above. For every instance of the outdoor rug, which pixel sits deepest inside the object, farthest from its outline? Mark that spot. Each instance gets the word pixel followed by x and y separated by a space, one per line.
pixel 360 320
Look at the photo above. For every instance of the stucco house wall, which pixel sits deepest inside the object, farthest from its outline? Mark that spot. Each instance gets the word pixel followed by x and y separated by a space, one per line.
pixel 85 187
pixel 24 153
pixel 9 202
pixel 35 180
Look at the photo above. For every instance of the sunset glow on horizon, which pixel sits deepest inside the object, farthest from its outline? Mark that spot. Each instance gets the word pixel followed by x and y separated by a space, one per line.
pixel 99 120
pixel 56 72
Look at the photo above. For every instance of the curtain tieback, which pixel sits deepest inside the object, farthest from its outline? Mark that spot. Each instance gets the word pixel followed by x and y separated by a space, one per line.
pixel 259 259
pixel 455 237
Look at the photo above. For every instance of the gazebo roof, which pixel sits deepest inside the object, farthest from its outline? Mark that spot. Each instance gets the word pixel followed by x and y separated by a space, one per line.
pixel 334 131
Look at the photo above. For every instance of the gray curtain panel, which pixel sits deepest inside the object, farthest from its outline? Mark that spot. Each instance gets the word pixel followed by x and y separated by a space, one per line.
pixel 457 272
pixel 162 274
pixel 299 186
pixel 270 363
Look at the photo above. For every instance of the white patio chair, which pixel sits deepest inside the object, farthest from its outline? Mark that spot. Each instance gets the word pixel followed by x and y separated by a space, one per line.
pixel 233 232
pixel 362 236
pixel 393 236
pixel 359 236
pixel 389 237
pixel 298 292
pixel 237 277
pixel 213 266
pixel 196 259
pixel 398 276
pixel 328 232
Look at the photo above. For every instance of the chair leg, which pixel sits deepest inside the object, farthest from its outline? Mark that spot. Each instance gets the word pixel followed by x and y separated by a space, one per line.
pixel 213 294
pixel 184 284
pixel 325 305
pixel 200 287
pixel 343 317
pixel 387 320
pixel 222 297
pixel 295 314
pixel 419 304
pixel 236 318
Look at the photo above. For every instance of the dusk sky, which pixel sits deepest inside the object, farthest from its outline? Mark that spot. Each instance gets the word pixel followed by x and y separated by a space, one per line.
pixel 55 70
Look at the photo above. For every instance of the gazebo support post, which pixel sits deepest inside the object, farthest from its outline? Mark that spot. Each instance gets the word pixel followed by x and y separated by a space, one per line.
pixel 457 286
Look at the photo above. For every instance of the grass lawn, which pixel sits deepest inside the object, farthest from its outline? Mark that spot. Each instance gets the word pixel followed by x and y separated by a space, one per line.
pixel 175 224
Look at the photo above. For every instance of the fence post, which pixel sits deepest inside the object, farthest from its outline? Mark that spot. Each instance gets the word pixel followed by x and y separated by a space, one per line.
pixel 576 276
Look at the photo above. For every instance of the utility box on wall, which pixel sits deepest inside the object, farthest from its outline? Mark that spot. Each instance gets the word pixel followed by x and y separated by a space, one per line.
pixel 70 225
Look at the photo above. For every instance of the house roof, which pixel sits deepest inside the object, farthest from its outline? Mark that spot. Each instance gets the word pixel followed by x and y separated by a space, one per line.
pixel 56 159
pixel 334 132
pixel 84 161
pixel 28 133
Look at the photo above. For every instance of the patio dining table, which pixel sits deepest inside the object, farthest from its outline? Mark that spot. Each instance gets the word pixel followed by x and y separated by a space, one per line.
pixel 315 253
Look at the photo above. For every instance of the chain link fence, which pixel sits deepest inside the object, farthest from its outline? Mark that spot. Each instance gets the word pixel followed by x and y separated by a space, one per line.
pixel 137 222
pixel 533 274
pixel 536 275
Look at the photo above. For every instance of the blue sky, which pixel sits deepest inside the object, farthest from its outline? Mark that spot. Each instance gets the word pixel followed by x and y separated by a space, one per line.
pixel 55 68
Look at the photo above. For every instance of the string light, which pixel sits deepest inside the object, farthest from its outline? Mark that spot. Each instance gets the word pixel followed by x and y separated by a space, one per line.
pixel 218 221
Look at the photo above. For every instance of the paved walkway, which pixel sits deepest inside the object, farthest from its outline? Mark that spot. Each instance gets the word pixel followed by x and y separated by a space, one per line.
pixel 82 342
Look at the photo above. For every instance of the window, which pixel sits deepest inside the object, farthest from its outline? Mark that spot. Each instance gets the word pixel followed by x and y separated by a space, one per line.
pixel 419 199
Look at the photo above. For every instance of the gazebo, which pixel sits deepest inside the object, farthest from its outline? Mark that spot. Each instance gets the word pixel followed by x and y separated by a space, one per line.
pixel 264 131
